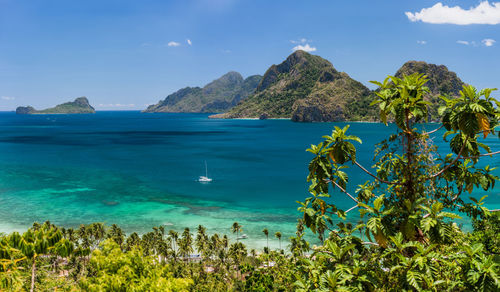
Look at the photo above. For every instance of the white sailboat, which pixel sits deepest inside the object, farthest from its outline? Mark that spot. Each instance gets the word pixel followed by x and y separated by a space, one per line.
pixel 205 178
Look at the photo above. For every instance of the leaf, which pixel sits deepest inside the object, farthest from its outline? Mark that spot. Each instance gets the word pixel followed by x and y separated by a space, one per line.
pixel 383 117
pixel 381 239
pixel 332 157
pixel 484 124
pixel 377 204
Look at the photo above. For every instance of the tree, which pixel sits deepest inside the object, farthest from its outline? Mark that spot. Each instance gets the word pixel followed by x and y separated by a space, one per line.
pixel 278 236
pixel 185 244
pixel 174 237
pixel 406 208
pixel 236 228
pixel 46 239
pixel 266 232
pixel 114 270
pixel 115 233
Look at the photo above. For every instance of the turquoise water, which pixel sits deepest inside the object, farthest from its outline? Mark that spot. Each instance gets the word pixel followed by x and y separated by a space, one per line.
pixel 140 170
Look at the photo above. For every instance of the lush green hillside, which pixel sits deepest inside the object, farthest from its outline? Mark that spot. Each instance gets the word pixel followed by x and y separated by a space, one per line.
pixel 304 88
pixel 217 96
pixel 307 88
pixel 81 105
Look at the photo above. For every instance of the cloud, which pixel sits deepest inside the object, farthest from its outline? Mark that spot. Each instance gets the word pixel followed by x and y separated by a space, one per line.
pixel 173 44
pixel 116 105
pixel 146 45
pixel 226 51
pixel 305 47
pixel 488 42
pixel 300 41
pixel 483 13
pixel 422 42
pixel 189 42
pixel 8 97
pixel 463 43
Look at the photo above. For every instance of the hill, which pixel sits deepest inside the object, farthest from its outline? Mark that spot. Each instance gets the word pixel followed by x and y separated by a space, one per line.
pixel 217 96
pixel 306 88
pixel 80 105
pixel 441 81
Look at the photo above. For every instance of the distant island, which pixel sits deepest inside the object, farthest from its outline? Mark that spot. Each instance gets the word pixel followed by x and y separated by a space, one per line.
pixel 80 105
pixel 215 97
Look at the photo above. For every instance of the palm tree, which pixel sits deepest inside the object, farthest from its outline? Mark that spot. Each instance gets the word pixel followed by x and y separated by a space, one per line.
pixel 47 239
pixel 278 235
pixel 116 234
pixel 236 228
pixel 132 240
pixel 97 232
pixel 266 232
pixel 185 248
pixel 174 237
pixel 201 240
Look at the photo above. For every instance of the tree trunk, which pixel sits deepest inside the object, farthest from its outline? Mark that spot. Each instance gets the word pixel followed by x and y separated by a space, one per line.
pixel 33 270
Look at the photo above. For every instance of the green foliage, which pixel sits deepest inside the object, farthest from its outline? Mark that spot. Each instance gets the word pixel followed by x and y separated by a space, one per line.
pixel 304 87
pixel 113 270
pixel 411 241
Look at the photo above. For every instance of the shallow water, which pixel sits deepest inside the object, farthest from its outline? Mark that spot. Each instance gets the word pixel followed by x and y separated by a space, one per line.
pixel 140 170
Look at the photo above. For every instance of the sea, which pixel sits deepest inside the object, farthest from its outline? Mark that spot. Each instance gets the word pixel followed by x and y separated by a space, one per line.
pixel 141 170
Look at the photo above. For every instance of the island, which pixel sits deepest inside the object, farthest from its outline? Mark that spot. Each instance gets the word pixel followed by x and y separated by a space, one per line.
pixel 80 105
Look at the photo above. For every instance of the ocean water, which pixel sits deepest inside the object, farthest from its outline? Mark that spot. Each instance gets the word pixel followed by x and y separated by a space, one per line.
pixel 139 171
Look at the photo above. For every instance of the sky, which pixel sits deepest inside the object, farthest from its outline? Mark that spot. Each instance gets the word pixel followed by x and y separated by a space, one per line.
pixel 124 55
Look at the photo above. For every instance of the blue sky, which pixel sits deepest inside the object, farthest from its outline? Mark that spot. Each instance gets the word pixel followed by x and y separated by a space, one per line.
pixel 117 53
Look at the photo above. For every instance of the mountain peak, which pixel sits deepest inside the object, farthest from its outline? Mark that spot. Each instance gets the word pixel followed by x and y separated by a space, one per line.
pixel 441 80
pixel 217 96
pixel 295 64
pixel 303 87
pixel 81 101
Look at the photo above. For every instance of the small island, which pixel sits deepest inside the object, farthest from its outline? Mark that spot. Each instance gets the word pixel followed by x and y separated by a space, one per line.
pixel 80 105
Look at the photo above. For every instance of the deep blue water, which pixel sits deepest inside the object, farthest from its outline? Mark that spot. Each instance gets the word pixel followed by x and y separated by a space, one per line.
pixel 139 170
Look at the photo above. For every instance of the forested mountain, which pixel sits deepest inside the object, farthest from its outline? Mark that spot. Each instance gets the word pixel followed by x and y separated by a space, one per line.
pixel 304 87
pixel 217 96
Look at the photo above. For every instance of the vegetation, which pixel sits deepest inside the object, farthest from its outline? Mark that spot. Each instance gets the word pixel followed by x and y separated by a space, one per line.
pixel 407 238
pixel 78 106
pixel 305 88
pixel 217 96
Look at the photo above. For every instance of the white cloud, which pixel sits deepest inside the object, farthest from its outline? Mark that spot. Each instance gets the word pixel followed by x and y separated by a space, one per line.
pixel 226 51
pixel 488 42
pixel 116 105
pixel 305 47
pixel 173 44
pixel 483 13
pixel 422 42
pixel 8 97
pixel 300 41
pixel 189 42
pixel 463 43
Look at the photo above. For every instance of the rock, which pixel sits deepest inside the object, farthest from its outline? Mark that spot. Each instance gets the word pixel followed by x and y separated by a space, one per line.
pixel 25 110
